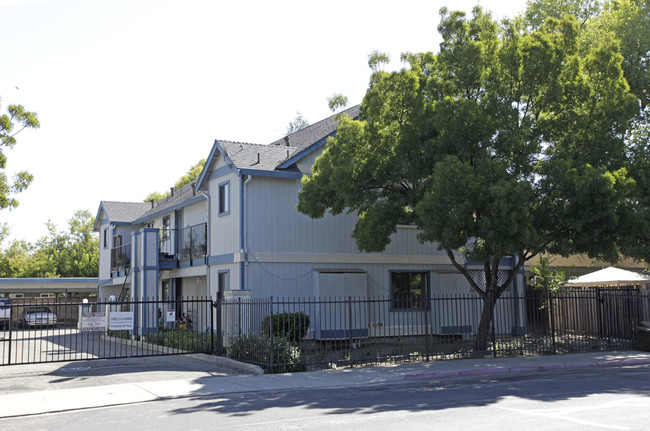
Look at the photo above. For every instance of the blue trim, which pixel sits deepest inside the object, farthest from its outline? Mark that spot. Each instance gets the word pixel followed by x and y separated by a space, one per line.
pixel 104 221
pixel 342 334
pixel 504 262
pixel 213 152
pixel 193 200
pixel 242 232
pixel 458 329
pixel 149 268
pixel 242 274
pixel 221 259
pixel 220 172
pixel 274 174
pixel 169 264
pixel 215 147
pixel 227 200
pixel 187 263
pixel 99 211
pixel 51 280
pixel 305 152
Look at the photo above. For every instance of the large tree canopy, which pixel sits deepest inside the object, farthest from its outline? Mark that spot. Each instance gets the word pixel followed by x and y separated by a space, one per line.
pixel 509 141
pixel 13 122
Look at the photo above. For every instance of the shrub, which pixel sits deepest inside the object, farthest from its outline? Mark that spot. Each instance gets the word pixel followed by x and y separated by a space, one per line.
pixel 257 348
pixel 292 326
pixel 187 341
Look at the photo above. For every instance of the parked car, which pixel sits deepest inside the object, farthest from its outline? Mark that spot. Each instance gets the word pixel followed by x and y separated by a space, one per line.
pixel 5 312
pixel 39 315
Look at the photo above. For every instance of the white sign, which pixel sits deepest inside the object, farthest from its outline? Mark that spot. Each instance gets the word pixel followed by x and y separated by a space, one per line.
pixel 120 320
pixel 95 321
pixel 171 316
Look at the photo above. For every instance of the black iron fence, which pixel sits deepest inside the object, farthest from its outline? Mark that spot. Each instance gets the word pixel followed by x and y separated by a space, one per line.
pixel 303 334
pixel 290 334
pixel 59 329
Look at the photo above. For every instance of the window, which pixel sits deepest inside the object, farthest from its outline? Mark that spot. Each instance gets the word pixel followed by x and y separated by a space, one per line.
pixel 224 198
pixel 105 237
pixel 224 281
pixel 166 221
pixel 409 290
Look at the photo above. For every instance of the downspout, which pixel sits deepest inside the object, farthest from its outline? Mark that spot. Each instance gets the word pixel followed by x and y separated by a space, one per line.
pixel 245 232
pixel 208 248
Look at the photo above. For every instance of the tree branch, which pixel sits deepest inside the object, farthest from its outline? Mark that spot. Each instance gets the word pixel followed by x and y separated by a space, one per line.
pixel 465 273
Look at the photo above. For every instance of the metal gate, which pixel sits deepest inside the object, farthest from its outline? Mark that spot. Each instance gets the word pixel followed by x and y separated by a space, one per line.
pixel 36 330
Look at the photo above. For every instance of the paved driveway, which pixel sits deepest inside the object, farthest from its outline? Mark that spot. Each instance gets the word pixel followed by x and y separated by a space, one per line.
pixel 25 346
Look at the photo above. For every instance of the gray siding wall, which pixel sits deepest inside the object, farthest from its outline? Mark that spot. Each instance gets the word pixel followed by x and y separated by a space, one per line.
pixel 224 229
pixel 275 226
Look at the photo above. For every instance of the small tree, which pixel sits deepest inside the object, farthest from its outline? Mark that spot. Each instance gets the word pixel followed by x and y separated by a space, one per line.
pixel 548 279
pixel 298 123
pixel 13 122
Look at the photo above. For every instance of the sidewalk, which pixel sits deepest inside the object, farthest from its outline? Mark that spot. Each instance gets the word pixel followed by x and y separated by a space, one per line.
pixel 97 391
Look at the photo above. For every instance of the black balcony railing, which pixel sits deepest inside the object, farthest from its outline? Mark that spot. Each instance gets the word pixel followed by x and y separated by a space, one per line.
pixel 187 243
pixel 121 258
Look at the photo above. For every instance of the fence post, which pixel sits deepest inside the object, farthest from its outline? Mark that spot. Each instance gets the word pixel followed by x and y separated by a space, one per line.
pixel 350 327
pixel 11 316
pixel 219 325
pixel 427 310
pixel 212 349
pixel 550 306
pixel 494 326
pixel 271 335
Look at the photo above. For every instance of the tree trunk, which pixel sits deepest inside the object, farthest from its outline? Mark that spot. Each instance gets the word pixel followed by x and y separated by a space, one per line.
pixel 483 333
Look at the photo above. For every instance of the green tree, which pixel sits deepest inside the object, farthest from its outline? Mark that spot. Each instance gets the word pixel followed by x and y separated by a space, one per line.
pixel 337 102
pixel 193 173
pixel 298 123
pixel 74 253
pixel 548 279
pixel 13 122
pixel 508 142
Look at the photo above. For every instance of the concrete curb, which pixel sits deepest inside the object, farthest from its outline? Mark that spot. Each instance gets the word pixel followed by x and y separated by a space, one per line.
pixel 227 362
pixel 525 368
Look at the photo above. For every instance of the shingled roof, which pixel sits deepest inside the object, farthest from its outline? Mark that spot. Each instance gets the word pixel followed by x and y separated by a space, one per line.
pixel 313 133
pixel 281 154
pixel 124 212
pixel 181 195
pixel 255 156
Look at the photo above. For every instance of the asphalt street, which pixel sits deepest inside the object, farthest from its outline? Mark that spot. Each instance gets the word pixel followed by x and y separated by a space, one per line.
pixel 200 391
pixel 615 398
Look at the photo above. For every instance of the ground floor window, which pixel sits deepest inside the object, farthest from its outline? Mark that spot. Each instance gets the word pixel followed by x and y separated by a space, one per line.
pixel 409 289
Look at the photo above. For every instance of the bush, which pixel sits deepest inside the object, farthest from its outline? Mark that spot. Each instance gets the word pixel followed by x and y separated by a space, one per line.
pixel 187 341
pixel 292 326
pixel 256 349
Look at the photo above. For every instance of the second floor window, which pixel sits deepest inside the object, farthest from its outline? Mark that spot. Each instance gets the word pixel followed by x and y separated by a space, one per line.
pixel 224 198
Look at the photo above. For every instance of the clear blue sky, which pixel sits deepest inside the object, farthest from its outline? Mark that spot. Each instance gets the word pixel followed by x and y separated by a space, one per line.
pixel 131 93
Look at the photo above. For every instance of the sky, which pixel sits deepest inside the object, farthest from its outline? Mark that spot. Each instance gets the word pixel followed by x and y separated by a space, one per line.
pixel 131 93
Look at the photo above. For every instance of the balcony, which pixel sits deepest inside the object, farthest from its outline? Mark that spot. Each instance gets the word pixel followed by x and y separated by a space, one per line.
pixel 120 259
pixel 184 245
pixel 177 248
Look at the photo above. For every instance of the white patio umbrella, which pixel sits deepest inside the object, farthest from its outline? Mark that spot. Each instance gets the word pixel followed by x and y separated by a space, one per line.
pixel 610 277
